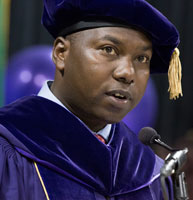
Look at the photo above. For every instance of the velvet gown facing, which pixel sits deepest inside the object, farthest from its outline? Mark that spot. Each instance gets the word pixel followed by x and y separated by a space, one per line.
pixel 72 163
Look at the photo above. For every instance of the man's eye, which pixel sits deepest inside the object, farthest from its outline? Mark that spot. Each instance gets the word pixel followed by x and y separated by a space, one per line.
pixel 143 59
pixel 109 50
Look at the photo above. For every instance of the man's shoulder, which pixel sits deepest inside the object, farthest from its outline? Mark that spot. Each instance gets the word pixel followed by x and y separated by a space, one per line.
pixel 6 148
pixel 25 103
pixel 8 141
pixel 27 110
pixel 127 132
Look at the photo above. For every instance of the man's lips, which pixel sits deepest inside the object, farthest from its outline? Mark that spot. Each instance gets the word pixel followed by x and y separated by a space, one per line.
pixel 120 94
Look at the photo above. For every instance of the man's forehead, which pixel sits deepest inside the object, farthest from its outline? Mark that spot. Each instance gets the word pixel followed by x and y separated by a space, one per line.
pixel 116 35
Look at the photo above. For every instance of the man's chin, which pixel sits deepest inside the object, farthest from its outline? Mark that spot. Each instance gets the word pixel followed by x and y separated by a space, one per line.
pixel 114 119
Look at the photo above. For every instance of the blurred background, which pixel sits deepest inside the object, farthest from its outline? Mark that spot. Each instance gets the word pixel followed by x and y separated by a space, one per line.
pixel 25 63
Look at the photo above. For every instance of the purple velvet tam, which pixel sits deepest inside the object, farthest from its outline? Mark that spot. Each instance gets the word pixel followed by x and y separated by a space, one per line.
pixel 63 17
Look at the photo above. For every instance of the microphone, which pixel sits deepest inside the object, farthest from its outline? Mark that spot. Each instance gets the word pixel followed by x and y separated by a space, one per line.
pixel 148 136
pixel 174 161
pixel 172 166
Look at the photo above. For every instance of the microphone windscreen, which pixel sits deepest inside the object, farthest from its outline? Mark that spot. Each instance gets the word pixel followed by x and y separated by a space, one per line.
pixel 147 135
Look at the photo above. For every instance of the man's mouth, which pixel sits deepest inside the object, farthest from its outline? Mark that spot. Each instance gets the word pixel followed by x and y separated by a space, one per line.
pixel 119 94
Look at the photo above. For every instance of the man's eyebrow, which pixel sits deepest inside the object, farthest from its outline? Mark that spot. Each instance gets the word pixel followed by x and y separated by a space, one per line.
pixel 118 42
pixel 147 48
pixel 112 39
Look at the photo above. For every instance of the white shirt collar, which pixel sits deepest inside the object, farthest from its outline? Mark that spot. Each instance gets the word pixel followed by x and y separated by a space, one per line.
pixel 45 92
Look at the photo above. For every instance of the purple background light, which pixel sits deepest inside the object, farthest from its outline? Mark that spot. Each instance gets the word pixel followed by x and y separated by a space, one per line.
pixel 27 70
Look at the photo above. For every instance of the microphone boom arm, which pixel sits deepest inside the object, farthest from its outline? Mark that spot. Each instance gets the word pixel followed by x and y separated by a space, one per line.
pixel 162 144
pixel 173 167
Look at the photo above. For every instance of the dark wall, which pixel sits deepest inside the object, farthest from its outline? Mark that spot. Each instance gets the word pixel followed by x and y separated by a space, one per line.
pixel 26 28
pixel 175 117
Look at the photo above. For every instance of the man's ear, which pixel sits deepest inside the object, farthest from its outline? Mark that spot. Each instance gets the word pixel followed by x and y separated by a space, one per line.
pixel 60 52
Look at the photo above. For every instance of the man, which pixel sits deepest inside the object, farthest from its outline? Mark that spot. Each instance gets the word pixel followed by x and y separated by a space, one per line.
pixel 68 142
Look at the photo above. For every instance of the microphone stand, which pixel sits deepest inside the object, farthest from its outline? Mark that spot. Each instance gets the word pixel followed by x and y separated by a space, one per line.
pixel 173 167
pixel 180 186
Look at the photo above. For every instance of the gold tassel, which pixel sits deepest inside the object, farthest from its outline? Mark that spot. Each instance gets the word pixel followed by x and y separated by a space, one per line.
pixel 175 75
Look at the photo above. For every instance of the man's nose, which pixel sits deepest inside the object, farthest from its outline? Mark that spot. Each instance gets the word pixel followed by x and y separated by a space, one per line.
pixel 124 72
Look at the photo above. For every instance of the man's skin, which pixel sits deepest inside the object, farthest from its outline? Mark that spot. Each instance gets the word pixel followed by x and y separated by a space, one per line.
pixel 94 65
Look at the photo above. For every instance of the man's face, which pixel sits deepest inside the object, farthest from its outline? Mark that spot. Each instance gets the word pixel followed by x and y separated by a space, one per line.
pixel 105 74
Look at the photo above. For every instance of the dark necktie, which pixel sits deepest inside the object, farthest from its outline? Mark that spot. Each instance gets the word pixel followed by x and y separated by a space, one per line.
pixel 101 138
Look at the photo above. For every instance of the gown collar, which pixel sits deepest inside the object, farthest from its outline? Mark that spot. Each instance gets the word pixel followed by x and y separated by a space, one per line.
pixel 56 139
pixel 45 92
